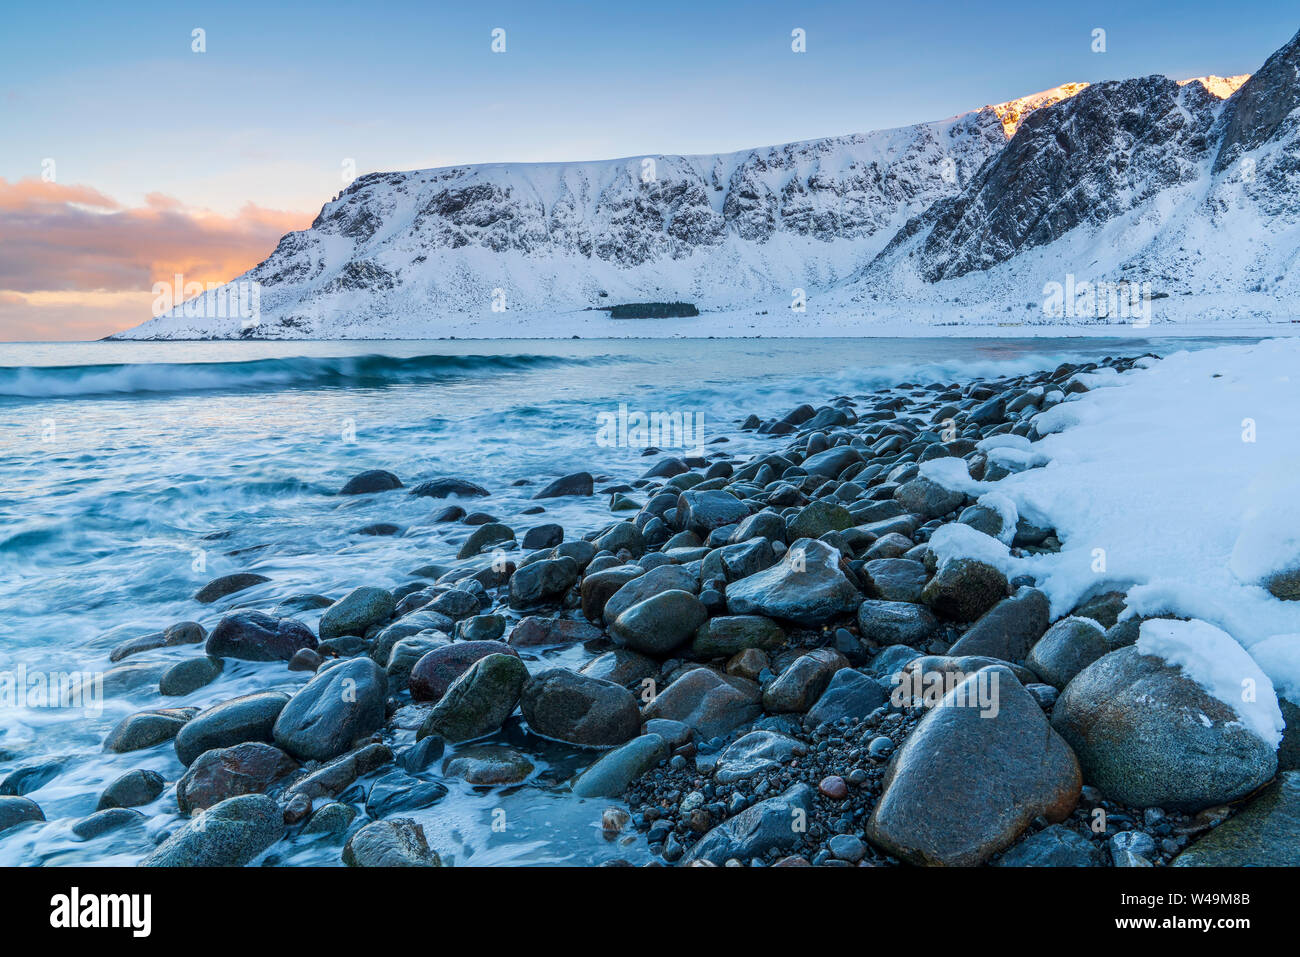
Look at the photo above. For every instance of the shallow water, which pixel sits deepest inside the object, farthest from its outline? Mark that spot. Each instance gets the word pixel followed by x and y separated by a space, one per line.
pixel 133 473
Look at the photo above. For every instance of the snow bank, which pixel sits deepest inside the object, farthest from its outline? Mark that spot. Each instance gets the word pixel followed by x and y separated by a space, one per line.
pixel 1179 483
pixel 1219 665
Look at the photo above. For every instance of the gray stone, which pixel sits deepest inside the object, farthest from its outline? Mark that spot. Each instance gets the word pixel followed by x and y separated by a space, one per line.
pixel 710 704
pixel 850 694
pixel 399 842
pixel 578 709
pixel 963 589
pixel 896 622
pixel 767 826
pixel 1149 736
pixel 969 780
pixel 1009 629
pixel 1069 646
pixel 334 709
pixel 231 834
pixel 246 718
pixel 256 636
pixel 356 611
pixel 807 587
pixel 799 686
pixel 611 775
pixel 1265 833
pixel 660 623
pixel 479 701
pixel 1054 846
pixel 189 675
pixel 755 752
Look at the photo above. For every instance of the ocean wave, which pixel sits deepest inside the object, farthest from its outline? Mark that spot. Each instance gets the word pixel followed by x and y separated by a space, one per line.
pixel 258 375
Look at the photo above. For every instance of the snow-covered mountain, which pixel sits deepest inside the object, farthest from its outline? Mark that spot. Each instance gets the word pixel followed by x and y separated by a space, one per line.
pixel 405 253
pixel 1189 190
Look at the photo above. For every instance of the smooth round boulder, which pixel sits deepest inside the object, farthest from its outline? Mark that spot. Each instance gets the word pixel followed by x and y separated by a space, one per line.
pixel 479 701
pixel 371 481
pixel 334 709
pixel 396 842
pixel 435 672
pixel 228 585
pixel 222 773
pixel 257 636
pixel 1069 646
pixel 1150 736
pixel 660 623
pixel 964 588
pixel 896 623
pixel 231 834
pixel 246 718
pixel 578 709
pixel 807 587
pixel 355 612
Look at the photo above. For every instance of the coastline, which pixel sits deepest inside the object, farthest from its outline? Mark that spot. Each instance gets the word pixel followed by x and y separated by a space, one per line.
pixel 827 661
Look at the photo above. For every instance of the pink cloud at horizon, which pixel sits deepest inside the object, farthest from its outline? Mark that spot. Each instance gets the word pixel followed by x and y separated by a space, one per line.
pixel 75 263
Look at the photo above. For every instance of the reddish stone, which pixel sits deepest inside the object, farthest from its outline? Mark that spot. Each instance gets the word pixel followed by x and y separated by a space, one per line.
pixel 433 674
pixel 834 788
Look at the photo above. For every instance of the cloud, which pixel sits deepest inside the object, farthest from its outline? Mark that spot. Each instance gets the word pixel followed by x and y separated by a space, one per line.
pixel 75 239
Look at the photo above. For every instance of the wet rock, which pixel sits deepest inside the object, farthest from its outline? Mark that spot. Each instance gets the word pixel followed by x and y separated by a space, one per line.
pixel 534 631
pixel 246 718
pixel 654 582
pixel 442 488
pixel 896 623
pixel 799 686
pixel 817 518
pixel 369 482
pixel 489 535
pixel 963 589
pixel 702 512
pixel 132 789
pixel 894 579
pixel 223 773
pixel 807 587
pixel 18 810
pixel 754 753
pixel 579 483
pixel 1265 833
pixel 599 587
pixel 754 832
pixel 479 701
pixel 728 635
pixel 329 713
pixel 399 842
pixel 1054 846
pixel 621 666
pixel 927 498
pixel 543 536
pixel 332 778
pixel 1104 609
pixel 850 694
pixel 231 834
pixel 542 581
pixel 398 791
pixel 970 780
pixel 406 654
pixel 1069 646
pixel 617 769
pixel 227 585
pixel 356 611
pixel 1009 629
pixel 578 709
pixel 488 765
pixel 333 818
pixel 708 703
pixel 305 659
pixel 660 623
pixel 146 729
pixel 733 562
pixel 190 675
pixel 107 821
pixel 434 673
pixel 257 636
pixel 1149 736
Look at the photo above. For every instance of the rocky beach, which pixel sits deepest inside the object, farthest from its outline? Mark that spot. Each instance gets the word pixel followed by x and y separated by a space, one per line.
pixel 843 646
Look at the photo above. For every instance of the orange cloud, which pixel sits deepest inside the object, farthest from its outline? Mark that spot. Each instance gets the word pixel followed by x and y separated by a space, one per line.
pixel 56 238
pixel 75 263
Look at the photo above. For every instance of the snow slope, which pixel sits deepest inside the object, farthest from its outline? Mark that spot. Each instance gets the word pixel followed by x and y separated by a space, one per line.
pixel 1174 483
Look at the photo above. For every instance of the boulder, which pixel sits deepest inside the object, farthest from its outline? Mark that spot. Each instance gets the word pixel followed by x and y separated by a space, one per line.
pixel 579 483
pixel 223 773
pixel 435 672
pixel 369 482
pixel 660 623
pixel 806 587
pixel 257 636
pixel 334 709
pixel 1265 833
pixel 969 779
pixel 577 709
pixel 398 842
pixel 228 585
pixel 612 774
pixel 246 718
pixel 1009 629
pixel 799 686
pixel 479 701
pixel 770 825
pixel 896 623
pixel 1069 646
pixel 727 635
pixel 963 589
pixel 231 834
pixel 1150 736
pixel 710 704
pixel 355 612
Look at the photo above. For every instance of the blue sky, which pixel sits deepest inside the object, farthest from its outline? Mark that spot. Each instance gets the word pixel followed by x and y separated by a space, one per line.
pixel 283 96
